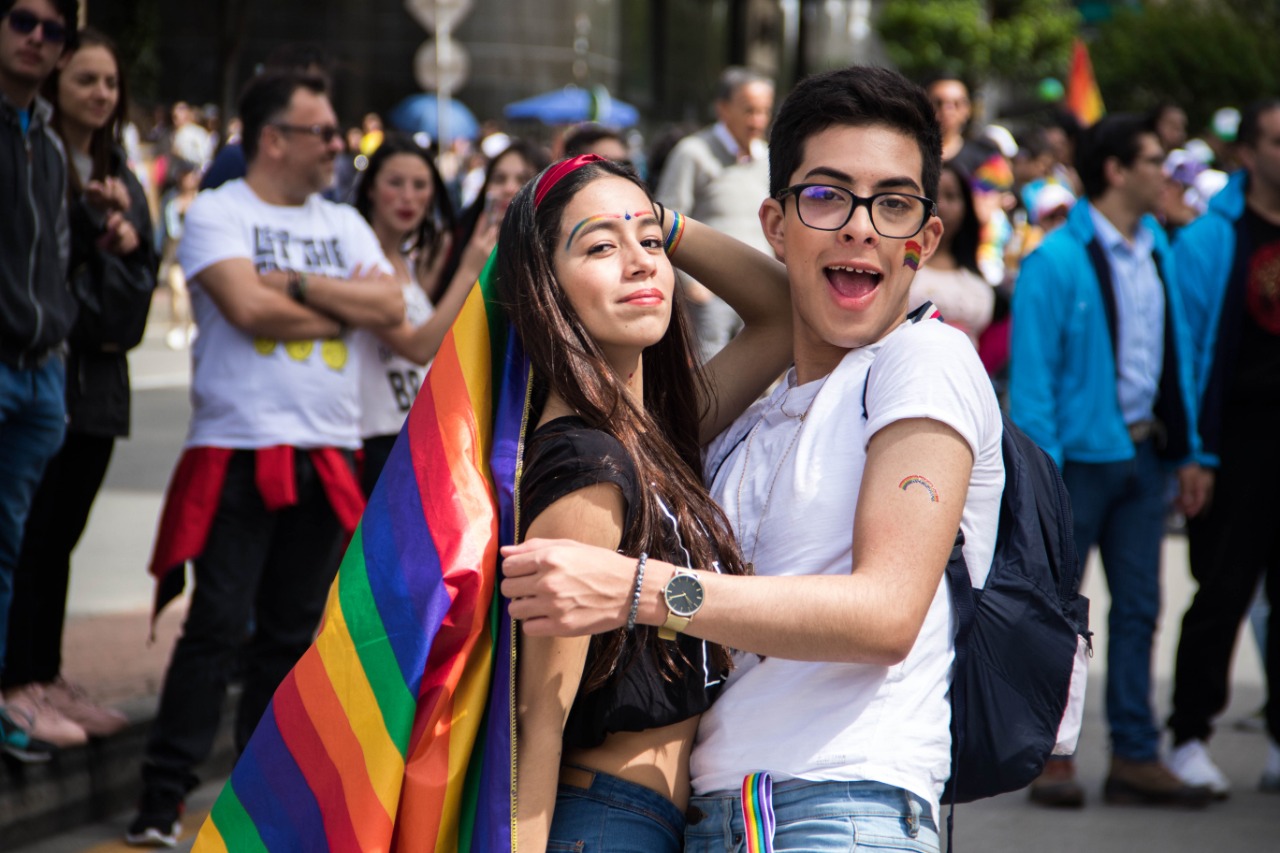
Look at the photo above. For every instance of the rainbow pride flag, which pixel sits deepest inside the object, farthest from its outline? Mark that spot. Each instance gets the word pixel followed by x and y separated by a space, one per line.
pixel 395 731
pixel 1084 98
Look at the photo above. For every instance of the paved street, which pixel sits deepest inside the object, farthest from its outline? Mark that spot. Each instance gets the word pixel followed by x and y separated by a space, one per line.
pixel 107 650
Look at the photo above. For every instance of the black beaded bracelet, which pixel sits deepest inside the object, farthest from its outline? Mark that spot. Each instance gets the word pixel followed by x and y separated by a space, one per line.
pixel 635 596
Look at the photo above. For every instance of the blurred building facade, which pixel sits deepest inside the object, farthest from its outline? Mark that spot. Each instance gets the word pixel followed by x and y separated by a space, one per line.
pixel 661 55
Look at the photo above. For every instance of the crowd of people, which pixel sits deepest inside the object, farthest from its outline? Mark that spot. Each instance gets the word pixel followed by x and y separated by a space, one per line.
pixel 701 320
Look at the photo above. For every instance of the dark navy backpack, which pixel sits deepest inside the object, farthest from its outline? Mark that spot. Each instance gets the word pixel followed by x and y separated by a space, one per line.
pixel 1022 641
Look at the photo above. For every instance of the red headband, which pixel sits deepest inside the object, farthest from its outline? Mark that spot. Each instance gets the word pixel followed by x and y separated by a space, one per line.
pixel 552 176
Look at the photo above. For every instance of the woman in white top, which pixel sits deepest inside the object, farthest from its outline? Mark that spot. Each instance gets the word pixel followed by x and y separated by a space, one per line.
pixel 951 279
pixel 403 197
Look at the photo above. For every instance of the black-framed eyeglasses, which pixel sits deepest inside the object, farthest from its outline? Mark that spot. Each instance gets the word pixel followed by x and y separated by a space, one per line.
pixel 24 22
pixel 326 132
pixel 827 208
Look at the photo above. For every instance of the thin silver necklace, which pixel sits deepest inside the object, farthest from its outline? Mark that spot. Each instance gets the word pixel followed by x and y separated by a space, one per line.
pixel 777 471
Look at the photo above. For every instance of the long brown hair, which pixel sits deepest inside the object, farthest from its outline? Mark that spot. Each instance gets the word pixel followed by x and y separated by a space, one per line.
pixel 661 437
pixel 107 139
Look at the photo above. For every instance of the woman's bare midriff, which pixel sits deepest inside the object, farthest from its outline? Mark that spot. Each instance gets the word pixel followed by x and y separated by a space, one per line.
pixel 658 759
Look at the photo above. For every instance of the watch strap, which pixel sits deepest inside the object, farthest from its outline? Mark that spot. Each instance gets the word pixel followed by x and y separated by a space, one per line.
pixel 674 625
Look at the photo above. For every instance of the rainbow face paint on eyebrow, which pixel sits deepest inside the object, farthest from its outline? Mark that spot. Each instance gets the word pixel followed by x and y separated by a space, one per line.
pixel 625 215
pixel 917 480
pixel 912 256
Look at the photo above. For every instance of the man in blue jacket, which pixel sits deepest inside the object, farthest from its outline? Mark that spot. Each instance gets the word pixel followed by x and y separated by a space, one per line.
pixel 1100 377
pixel 1229 275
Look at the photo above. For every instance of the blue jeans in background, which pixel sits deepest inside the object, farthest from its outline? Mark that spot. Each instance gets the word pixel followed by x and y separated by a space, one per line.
pixel 33 421
pixel 815 817
pixel 1120 508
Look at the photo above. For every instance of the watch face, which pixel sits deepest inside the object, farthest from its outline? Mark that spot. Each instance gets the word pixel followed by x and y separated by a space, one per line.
pixel 684 595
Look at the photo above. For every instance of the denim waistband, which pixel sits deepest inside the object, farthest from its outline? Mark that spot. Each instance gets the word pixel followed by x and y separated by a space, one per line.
pixel 616 792
pixel 815 798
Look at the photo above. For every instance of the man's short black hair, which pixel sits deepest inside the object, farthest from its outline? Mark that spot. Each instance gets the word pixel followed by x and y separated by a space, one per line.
pixel 68 9
pixel 857 96
pixel 581 139
pixel 265 98
pixel 1251 120
pixel 1116 135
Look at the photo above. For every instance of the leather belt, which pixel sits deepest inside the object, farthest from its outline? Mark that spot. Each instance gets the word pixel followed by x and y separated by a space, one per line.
pixel 1140 431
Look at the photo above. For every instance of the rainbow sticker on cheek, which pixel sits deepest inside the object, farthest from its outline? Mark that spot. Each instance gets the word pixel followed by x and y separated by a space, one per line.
pixel 917 480
pixel 912 256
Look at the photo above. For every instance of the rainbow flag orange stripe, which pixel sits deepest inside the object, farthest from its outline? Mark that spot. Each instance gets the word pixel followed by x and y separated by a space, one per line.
pixel 395 731
pixel 1084 98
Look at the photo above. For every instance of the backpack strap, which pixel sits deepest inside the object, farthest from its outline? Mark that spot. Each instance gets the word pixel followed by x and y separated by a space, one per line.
pixel 966 606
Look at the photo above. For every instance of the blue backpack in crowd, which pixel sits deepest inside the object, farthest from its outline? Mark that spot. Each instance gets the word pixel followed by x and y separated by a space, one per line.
pixel 1022 640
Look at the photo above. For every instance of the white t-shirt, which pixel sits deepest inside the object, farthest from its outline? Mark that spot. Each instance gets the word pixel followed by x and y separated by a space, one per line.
pixel 251 392
pixel 839 721
pixel 389 382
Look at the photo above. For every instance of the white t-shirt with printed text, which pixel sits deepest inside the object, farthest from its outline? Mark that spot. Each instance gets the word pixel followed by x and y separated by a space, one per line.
pixel 389 382
pixel 249 392
pixel 840 721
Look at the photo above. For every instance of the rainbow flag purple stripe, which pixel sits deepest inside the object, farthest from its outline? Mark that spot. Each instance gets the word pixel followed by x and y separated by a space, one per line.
pixel 395 731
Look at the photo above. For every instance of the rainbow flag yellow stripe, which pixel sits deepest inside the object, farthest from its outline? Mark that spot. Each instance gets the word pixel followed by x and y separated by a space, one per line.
pixel 395 731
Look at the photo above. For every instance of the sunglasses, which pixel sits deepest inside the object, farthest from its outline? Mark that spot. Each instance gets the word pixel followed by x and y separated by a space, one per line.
pixel 24 23
pixel 326 132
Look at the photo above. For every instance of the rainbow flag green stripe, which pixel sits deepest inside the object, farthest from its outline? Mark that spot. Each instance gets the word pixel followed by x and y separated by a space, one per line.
pixel 395 731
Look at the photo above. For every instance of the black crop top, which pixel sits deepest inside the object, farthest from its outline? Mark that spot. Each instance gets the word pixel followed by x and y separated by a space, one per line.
pixel 565 455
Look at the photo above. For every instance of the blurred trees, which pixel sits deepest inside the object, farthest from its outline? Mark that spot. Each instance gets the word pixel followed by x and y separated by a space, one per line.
pixel 1202 55
pixel 977 40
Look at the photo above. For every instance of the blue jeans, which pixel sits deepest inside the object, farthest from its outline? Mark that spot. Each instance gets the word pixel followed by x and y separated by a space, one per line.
pixel 1120 506
pixel 33 421
pixel 615 815
pixel 818 816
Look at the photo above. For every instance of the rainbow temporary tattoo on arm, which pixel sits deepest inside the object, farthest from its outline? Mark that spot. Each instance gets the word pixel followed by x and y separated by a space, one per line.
pixel 912 256
pixel 917 480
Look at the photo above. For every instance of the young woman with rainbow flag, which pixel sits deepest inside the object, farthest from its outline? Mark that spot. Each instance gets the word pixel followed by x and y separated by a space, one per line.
pixel 565 402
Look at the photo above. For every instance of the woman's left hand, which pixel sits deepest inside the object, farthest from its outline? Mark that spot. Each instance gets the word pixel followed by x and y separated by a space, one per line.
pixel 563 588
pixel 107 195
pixel 119 237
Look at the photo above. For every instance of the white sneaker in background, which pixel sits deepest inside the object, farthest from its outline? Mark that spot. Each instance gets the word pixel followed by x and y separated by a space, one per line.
pixel 1192 764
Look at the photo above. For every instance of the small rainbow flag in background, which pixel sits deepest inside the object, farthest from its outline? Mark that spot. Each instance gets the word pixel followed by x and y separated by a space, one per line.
pixel 1083 96
pixel 396 729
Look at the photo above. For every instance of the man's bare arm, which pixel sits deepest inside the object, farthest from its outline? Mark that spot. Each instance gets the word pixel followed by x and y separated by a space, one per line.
pixel 901 541
pixel 249 305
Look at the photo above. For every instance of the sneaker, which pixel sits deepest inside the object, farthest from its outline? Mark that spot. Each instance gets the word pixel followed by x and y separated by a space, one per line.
pixel 18 742
pixel 1057 787
pixel 1150 783
pixel 1191 763
pixel 44 722
pixel 158 823
pixel 74 704
pixel 1270 782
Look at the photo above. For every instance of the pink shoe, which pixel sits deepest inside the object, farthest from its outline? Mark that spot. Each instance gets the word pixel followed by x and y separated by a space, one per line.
pixel 74 704
pixel 28 704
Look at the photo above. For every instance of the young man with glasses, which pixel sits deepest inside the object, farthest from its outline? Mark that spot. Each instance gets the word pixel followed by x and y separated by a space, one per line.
pixel 265 494
pixel 845 487
pixel 36 306
pixel 1101 379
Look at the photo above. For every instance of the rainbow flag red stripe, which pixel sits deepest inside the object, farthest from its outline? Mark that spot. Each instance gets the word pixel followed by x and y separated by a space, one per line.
pixel 395 731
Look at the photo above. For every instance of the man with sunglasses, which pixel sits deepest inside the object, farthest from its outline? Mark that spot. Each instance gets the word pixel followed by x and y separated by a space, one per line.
pixel 1101 378
pixel 845 488
pixel 36 305
pixel 265 493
